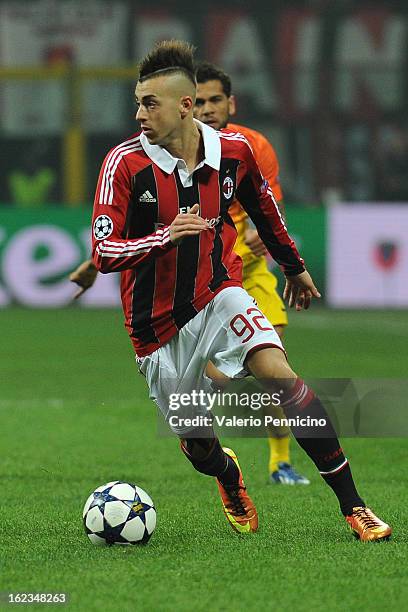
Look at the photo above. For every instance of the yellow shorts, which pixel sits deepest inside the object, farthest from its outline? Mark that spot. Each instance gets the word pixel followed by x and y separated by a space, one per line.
pixel 261 284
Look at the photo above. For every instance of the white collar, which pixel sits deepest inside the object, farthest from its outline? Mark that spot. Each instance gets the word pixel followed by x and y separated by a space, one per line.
pixel 162 158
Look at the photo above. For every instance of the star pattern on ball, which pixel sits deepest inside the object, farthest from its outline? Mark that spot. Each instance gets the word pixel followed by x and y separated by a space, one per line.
pixel 119 513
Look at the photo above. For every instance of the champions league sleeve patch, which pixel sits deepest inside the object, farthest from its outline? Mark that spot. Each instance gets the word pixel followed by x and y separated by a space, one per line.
pixel 102 227
pixel 264 186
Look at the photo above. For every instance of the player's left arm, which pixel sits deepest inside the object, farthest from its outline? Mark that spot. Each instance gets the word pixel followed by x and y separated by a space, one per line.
pixel 268 163
pixel 257 199
pixel 265 156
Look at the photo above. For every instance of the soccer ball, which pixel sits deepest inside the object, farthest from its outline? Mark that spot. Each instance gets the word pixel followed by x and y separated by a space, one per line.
pixel 119 513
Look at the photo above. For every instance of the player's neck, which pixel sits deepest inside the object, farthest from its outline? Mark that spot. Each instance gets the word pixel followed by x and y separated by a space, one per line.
pixel 187 145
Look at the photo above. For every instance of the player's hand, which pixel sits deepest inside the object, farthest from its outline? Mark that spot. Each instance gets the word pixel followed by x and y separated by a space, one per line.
pixel 253 241
pixel 187 224
pixel 84 276
pixel 300 290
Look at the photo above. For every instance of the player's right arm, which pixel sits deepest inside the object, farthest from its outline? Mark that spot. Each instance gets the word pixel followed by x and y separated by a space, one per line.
pixel 112 250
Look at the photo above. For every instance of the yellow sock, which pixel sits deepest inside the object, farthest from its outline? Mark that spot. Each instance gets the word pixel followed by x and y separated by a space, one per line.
pixel 278 452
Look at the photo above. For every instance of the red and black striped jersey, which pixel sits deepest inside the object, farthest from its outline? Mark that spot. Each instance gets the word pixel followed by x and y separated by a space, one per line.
pixel 141 189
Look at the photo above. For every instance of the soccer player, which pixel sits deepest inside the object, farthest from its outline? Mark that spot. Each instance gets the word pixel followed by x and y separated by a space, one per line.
pixel 214 106
pixel 161 219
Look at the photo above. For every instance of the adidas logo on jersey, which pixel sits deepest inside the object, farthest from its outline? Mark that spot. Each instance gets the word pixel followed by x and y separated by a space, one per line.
pixel 147 197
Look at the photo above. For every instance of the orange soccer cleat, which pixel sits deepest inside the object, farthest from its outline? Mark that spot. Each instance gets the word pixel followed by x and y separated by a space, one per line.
pixel 366 526
pixel 238 506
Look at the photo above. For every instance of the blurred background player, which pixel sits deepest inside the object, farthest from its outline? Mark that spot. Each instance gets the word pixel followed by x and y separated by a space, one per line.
pixel 214 106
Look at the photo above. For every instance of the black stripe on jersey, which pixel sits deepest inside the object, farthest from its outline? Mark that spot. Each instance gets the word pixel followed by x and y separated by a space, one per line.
pixel 227 173
pixel 143 207
pixel 141 221
pixel 188 253
pixel 220 273
pixel 228 170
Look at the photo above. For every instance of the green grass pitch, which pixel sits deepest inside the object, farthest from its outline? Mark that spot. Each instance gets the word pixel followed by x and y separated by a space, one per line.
pixel 75 414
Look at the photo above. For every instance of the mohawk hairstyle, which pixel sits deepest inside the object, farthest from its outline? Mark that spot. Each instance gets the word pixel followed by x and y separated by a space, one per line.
pixel 167 57
pixel 205 71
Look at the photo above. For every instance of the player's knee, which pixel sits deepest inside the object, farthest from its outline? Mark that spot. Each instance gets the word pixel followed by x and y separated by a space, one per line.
pixel 270 364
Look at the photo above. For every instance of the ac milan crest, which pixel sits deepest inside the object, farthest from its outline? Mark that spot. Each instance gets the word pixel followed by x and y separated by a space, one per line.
pixel 228 187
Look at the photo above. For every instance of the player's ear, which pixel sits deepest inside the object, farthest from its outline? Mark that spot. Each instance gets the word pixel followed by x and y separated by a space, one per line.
pixel 232 107
pixel 186 105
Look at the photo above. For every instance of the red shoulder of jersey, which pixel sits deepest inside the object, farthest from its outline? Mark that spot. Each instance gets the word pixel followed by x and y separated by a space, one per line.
pixel 233 143
pixel 122 162
pixel 264 154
